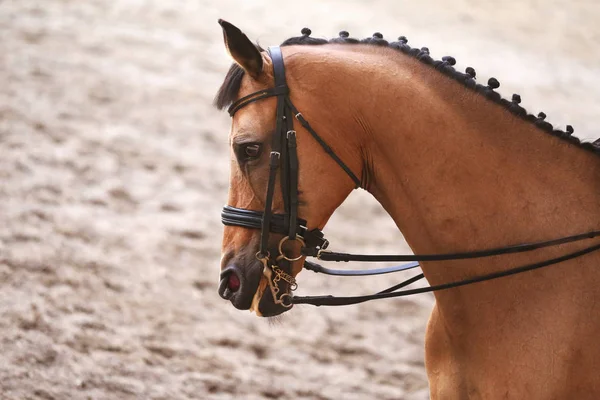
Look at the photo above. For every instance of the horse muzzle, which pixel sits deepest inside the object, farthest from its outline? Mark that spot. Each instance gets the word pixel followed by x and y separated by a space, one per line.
pixel 238 285
pixel 252 289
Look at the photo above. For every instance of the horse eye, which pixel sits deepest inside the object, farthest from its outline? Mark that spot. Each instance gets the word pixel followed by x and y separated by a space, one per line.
pixel 252 150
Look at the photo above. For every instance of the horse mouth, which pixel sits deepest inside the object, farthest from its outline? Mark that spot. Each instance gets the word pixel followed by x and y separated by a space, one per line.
pixel 264 304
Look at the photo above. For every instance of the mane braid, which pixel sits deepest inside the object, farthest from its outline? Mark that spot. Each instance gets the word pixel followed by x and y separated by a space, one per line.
pixel 229 90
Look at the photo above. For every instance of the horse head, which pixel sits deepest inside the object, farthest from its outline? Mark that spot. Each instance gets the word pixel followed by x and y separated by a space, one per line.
pixel 248 278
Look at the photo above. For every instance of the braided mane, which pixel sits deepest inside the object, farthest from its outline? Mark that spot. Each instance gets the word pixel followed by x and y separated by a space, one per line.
pixel 229 90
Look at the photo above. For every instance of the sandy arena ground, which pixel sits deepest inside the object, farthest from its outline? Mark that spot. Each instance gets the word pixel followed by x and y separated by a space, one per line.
pixel 114 167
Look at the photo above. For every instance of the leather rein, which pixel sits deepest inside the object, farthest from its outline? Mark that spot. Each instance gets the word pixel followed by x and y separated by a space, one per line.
pixel 284 158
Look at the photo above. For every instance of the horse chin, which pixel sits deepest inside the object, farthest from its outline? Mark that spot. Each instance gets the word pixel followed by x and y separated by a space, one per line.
pixel 263 303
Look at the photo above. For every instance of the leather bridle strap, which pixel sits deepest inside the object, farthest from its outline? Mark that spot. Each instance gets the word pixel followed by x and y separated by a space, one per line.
pixel 266 220
pixel 285 158
pixel 285 129
pixel 326 255
pixel 323 144
pixel 283 90
pixel 232 216
pixel 251 98
pixel 342 301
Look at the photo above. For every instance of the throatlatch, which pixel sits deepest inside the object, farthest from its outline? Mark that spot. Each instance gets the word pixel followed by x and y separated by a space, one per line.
pixel 284 158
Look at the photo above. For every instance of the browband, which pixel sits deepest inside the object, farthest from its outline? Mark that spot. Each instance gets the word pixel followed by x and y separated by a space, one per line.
pixel 251 98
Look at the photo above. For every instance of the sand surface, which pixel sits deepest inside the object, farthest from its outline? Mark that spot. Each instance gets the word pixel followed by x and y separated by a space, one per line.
pixel 114 167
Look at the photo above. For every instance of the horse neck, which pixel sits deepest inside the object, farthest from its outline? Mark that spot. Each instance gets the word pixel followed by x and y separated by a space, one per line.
pixel 454 170
pixel 459 172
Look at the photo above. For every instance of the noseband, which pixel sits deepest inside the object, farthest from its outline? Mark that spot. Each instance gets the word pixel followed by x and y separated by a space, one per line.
pixel 284 157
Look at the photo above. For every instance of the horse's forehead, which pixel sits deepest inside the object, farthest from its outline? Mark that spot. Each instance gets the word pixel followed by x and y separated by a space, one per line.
pixel 250 85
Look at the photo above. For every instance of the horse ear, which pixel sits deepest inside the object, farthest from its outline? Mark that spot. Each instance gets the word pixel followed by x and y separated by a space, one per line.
pixel 241 49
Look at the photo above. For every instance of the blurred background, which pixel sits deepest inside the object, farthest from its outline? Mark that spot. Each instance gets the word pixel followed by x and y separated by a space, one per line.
pixel 114 168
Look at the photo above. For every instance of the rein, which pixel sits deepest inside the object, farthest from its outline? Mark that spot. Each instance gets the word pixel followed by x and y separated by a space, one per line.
pixel 284 158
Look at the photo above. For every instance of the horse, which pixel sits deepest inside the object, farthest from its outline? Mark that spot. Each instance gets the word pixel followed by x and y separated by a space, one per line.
pixel 455 165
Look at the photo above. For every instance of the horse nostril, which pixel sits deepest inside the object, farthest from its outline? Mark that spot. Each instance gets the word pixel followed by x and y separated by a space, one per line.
pixel 230 284
pixel 233 282
pixel 239 284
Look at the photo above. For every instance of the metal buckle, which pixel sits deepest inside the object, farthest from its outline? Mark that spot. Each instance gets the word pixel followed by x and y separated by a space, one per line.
pixel 282 254
pixel 290 132
pixel 321 251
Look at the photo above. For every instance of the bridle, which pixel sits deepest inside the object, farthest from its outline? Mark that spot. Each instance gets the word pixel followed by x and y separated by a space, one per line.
pixel 284 157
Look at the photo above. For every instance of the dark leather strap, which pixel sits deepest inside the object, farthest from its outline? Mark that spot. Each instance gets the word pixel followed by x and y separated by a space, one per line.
pixel 343 301
pixel 286 133
pixel 519 248
pixel 266 218
pixel 293 183
pixel 281 89
pixel 232 216
pixel 403 284
pixel 323 144
pixel 251 98
pixel 278 66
